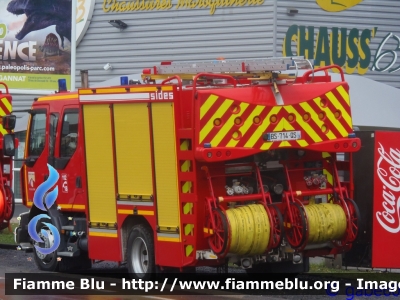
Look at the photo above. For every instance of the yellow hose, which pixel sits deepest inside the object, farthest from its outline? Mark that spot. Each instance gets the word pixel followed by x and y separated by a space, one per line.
pixel 326 221
pixel 249 229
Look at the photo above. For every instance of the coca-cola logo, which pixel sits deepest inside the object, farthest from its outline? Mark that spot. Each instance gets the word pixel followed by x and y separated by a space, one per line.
pixel 388 171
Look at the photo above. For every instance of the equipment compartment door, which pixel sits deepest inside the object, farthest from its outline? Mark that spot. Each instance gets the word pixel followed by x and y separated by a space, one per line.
pixel 99 152
pixel 166 170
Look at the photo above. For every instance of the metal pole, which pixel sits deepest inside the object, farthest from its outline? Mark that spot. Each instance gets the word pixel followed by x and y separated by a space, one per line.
pixel 84 78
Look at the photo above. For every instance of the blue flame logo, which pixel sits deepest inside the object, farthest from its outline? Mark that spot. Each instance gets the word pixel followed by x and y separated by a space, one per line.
pixel 43 199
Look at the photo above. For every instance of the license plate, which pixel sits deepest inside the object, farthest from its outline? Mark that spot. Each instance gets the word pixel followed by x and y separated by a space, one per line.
pixel 282 136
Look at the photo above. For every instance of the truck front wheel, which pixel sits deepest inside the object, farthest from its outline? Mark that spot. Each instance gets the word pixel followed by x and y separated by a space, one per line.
pixel 45 262
pixel 140 253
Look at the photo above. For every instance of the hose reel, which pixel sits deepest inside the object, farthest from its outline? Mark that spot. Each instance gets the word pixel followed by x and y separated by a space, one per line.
pixel 250 229
pixel 326 222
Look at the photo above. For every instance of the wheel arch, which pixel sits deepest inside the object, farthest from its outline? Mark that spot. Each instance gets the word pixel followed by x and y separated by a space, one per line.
pixel 126 228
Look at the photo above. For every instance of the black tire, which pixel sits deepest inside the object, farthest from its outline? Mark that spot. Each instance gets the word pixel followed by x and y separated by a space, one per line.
pixel 47 262
pixel 140 253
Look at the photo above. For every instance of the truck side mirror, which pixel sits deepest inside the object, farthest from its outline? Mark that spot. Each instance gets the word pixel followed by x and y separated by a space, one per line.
pixel 9 145
pixel 9 121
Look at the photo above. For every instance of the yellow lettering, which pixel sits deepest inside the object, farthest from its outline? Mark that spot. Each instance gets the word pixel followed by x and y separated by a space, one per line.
pixel 181 3
pixel 80 11
pixel 123 6
pixel 142 5
pixel 194 3
pixel 106 7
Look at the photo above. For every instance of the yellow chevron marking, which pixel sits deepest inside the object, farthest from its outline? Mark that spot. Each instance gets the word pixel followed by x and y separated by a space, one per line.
pixel 185 145
pixel 188 209
pixel 266 145
pixel 344 94
pixel 2 130
pixel 247 123
pixel 315 118
pixel 260 130
pixel 189 229
pixel 336 122
pixel 6 103
pixel 218 114
pixel 306 127
pixel 329 176
pixel 338 106
pixel 206 105
pixel 325 154
pixel 185 167
pixel 228 125
pixel 302 143
pixel 188 250
pixel 284 144
pixel 186 187
pixel 283 125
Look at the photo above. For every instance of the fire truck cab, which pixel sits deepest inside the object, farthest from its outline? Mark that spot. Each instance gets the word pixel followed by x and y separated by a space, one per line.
pixel 203 164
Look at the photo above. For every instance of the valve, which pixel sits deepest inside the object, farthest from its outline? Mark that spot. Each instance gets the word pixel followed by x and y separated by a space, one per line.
pixel 238 188
pixel 315 180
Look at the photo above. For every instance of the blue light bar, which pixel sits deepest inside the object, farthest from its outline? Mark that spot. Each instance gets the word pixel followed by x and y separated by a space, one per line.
pixel 124 80
pixel 62 85
pixel 352 135
pixel 207 145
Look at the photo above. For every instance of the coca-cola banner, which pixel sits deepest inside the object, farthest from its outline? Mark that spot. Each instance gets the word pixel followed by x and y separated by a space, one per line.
pixel 386 208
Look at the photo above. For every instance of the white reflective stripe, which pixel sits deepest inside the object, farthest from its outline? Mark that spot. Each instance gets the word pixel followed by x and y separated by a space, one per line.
pixel 127 96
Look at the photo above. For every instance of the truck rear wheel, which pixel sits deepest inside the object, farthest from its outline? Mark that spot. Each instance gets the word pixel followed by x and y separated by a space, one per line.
pixel 140 253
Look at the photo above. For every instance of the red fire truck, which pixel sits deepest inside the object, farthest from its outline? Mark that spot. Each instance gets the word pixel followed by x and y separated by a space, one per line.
pixel 202 164
pixel 7 203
